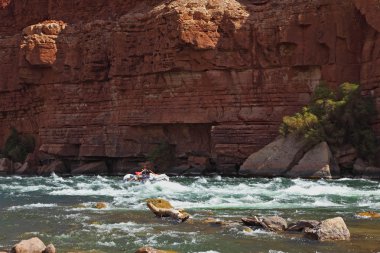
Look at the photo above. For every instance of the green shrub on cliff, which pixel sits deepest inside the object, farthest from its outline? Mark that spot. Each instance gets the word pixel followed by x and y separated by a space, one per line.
pixel 341 117
pixel 17 146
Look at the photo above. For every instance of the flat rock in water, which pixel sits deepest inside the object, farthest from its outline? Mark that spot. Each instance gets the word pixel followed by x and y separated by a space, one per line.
pixel 271 223
pixel 329 230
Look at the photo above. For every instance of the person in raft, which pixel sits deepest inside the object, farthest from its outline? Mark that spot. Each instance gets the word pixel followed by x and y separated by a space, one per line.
pixel 144 174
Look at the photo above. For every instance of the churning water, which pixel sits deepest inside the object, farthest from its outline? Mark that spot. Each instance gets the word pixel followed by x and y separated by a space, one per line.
pixel 62 211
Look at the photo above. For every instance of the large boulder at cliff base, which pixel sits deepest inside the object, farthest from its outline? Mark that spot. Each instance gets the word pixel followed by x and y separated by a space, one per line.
pixel 275 158
pixel 33 245
pixel 318 162
pixel 329 230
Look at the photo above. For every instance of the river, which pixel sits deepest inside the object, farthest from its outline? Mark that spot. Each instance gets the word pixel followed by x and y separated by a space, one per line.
pixel 62 211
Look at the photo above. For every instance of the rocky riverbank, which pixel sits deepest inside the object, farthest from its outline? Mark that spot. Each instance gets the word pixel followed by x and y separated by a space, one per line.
pixel 289 156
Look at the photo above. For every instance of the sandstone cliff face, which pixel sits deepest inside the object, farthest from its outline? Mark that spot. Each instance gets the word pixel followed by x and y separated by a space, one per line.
pixel 213 78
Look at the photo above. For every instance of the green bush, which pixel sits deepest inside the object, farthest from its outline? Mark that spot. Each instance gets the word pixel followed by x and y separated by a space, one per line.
pixel 339 118
pixel 17 146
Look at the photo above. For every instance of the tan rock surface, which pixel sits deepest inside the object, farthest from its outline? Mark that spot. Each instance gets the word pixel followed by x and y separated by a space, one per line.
pixel 276 158
pixel 329 230
pixel 316 163
pixel 32 245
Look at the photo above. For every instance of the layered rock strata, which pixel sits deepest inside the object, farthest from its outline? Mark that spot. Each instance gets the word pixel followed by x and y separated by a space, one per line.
pixel 111 80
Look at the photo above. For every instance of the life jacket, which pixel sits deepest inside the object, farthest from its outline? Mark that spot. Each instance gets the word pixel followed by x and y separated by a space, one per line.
pixel 138 173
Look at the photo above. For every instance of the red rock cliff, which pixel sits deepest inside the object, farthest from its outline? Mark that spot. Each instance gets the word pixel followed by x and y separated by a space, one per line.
pixel 214 78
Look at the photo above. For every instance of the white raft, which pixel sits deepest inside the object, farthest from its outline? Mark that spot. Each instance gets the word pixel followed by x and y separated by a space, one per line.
pixel 152 178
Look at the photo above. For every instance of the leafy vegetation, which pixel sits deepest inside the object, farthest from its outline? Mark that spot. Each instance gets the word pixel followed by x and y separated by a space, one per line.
pixel 18 145
pixel 341 117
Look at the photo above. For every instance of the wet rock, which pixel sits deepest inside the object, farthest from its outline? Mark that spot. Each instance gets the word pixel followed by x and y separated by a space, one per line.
pixel 163 208
pixel 49 249
pixel 369 214
pixel 91 168
pixel 252 221
pixel 274 223
pixel 302 224
pixel 33 245
pixel 101 205
pixel 329 230
pixel 271 223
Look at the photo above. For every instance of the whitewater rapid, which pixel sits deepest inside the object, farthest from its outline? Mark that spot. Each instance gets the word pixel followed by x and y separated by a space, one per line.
pixel 203 193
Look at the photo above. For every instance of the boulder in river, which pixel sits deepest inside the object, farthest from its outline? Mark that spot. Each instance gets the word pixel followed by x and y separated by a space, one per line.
pixel 101 205
pixel 271 223
pixel 163 208
pixel 33 245
pixel 329 230
pixel 302 224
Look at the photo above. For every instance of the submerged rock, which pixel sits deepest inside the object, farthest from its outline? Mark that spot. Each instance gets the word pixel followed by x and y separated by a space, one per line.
pixel 329 230
pixel 271 223
pixel 33 245
pixel 101 205
pixel 153 250
pixel 369 214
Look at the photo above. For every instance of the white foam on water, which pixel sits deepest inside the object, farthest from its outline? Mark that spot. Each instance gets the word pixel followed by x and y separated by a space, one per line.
pixel 32 206
pixel 129 227
pixel 209 251
pixel 107 244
